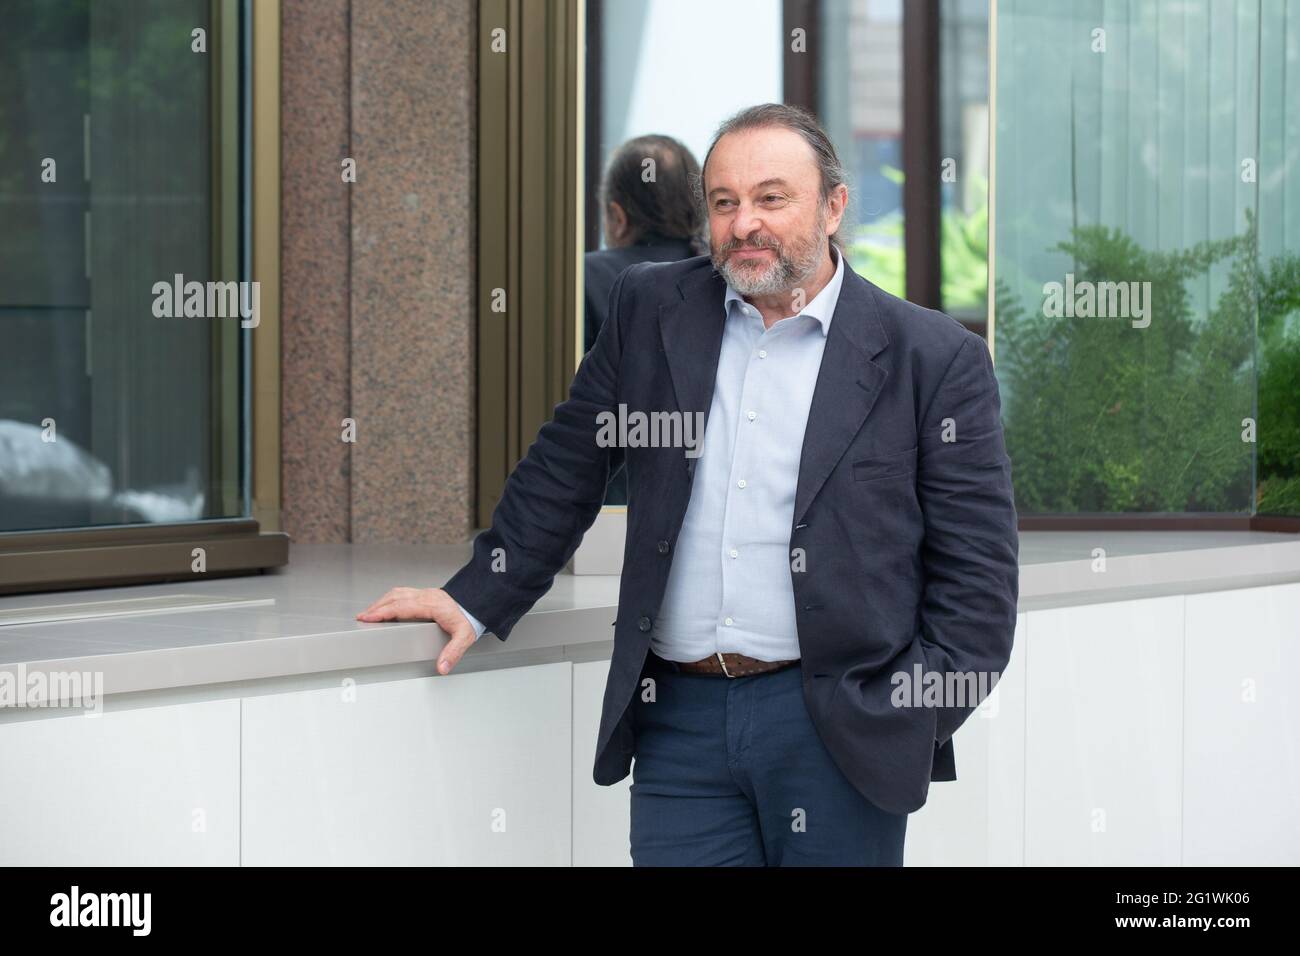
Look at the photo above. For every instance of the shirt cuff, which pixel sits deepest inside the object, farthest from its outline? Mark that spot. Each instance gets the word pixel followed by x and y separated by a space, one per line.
pixel 478 625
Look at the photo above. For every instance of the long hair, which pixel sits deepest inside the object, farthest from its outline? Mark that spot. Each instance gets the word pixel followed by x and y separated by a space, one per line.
pixel 661 205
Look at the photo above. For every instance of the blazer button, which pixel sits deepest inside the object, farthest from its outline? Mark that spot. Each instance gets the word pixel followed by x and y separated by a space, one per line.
pixel 644 624
pixel 663 547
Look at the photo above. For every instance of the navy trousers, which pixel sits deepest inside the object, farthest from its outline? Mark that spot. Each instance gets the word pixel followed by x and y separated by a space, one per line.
pixel 731 772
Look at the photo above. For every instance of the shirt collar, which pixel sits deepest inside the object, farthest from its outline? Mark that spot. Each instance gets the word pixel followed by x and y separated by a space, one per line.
pixel 821 308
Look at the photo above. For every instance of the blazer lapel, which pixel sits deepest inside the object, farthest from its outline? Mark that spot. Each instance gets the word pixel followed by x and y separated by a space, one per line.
pixel 848 385
pixel 690 330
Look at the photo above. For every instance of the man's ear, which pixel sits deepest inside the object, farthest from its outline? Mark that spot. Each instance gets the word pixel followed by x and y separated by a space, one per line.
pixel 838 202
pixel 615 223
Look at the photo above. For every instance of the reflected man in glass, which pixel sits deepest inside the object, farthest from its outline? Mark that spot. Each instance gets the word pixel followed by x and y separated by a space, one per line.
pixel 649 216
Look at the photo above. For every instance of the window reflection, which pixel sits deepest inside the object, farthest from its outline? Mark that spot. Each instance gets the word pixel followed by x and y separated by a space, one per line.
pixel 663 90
pixel 650 214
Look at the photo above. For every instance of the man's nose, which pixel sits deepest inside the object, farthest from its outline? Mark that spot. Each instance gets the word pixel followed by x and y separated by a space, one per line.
pixel 745 224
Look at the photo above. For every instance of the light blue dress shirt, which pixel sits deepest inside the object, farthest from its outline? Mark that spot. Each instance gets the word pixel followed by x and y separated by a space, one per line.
pixel 729 588
pixel 477 624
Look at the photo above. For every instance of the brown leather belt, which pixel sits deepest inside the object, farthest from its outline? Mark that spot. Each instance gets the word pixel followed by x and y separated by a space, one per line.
pixel 732 665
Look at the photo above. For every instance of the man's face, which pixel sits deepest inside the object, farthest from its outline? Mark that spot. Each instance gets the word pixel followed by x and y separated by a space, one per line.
pixel 767 222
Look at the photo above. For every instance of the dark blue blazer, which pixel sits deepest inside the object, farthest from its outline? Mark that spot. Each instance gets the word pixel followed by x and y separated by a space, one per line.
pixel 903 510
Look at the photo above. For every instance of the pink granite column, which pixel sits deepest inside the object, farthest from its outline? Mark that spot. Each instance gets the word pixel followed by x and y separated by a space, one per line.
pixel 379 329
pixel 315 261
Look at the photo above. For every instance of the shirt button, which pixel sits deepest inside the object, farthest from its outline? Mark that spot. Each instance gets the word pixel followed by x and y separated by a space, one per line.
pixel 734 553
pixel 663 547
pixel 741 483
pixel 643 624
pixel 762 353
pixel 751 415
pixel 728 621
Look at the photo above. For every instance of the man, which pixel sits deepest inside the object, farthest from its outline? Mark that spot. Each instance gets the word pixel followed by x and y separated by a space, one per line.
pixel 647 219
pixel 848 529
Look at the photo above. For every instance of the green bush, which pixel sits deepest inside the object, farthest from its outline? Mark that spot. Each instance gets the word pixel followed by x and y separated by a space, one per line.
pixel 1278 460
pixel 1104 417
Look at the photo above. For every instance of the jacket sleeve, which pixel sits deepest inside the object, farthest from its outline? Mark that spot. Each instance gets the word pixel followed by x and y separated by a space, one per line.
pixel 970 550
pixel 554 493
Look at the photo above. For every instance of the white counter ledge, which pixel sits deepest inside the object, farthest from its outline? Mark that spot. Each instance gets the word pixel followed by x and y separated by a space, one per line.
pixel 309 628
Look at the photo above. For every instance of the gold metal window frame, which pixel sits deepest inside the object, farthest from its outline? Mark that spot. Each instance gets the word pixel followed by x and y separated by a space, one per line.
pixel 529 227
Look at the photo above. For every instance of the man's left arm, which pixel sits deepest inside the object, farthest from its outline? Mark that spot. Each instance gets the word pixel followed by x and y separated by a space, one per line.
pixel 970 551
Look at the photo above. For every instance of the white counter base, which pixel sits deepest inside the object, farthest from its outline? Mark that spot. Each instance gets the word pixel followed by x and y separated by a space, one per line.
pixel 1158 730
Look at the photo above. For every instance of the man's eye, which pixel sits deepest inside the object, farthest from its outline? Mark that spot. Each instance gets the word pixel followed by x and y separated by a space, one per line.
pixel 773 197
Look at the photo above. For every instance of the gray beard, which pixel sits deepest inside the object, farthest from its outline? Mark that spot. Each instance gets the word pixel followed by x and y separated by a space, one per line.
pixel 784 275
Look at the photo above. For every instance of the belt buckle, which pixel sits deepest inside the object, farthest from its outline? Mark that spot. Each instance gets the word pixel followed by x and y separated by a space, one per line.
pixel 723 663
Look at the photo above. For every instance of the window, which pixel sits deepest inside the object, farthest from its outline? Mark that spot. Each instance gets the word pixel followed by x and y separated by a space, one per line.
pixel 861 105
pixel 126 305
pixel 1159 158
pixel 903 92
pixel 964 166
pixel 1147 320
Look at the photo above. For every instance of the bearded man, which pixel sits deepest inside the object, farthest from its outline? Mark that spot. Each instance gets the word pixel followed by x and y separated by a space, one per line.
pixel 847 531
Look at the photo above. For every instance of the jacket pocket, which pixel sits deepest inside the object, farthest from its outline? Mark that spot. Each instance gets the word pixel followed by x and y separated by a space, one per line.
pixel 893 465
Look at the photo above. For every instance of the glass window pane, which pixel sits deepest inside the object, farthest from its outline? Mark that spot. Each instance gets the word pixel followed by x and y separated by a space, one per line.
pixel 112 176
pixel 1278 181
pixel 964 143
pixel 861 106
pixel 1126 238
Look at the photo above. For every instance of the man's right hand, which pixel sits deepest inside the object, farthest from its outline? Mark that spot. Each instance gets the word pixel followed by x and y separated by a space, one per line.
pixel 426 604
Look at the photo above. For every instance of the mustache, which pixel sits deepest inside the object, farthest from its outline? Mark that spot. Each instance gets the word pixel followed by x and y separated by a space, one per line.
pixel 761 242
